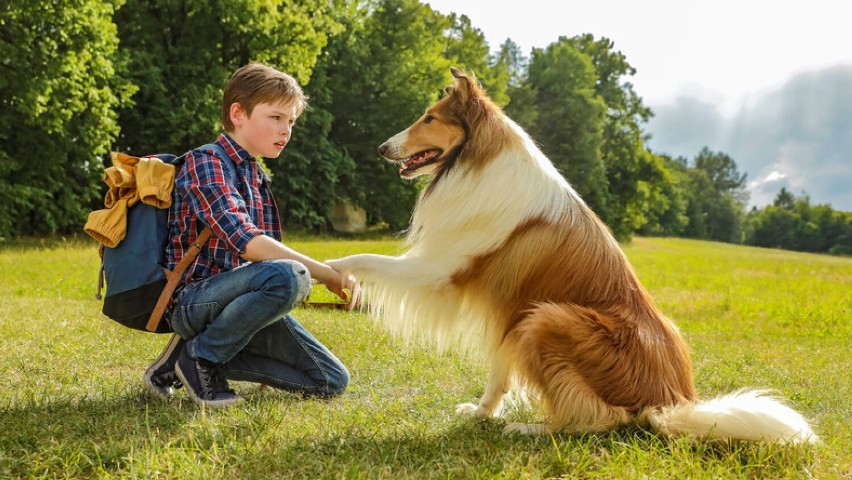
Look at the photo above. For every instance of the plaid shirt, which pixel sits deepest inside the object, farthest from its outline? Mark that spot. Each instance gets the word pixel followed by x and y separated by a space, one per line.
pixel 204 195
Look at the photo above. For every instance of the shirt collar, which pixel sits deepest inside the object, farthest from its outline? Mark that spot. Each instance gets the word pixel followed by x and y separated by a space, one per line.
pixel 237 153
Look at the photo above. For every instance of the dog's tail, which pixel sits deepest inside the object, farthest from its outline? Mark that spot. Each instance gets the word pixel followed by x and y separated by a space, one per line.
pixel 750 415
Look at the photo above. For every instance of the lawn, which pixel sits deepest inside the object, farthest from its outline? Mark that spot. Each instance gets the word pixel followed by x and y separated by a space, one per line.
pixel 73 405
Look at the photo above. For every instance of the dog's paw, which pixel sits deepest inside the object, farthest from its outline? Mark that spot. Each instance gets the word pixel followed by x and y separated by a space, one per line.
pixel 516 428
pixel 473 410
pixel 349 265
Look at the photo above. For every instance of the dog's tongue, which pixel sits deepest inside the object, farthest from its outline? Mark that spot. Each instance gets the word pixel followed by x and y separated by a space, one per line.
pixel 416 158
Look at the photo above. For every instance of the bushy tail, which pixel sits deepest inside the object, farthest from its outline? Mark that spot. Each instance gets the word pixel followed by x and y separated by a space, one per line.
pixel 750 415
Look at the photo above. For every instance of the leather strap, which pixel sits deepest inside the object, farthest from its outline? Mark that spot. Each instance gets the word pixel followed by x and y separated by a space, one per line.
pixel 173 279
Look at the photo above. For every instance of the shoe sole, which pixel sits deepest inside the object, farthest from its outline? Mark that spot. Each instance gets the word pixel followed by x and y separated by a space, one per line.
pixel 167 352
pixel 200 401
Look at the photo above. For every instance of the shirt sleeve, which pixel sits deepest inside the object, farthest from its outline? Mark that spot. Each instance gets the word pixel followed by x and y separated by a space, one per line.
pixel 217 202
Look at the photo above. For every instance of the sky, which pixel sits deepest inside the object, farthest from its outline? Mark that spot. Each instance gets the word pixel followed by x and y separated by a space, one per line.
pixel 717 74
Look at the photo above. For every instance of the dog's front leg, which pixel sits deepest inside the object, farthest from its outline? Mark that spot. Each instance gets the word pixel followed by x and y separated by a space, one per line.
pixel 389 270
pixel 499 382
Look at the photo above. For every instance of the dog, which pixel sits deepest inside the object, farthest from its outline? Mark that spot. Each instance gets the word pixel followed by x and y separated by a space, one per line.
pixel 504 255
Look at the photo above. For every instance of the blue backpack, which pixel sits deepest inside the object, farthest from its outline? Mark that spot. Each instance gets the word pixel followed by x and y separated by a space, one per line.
pixel 138 286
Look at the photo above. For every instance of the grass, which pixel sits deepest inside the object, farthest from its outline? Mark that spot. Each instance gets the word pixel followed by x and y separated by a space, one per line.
pixel 72 403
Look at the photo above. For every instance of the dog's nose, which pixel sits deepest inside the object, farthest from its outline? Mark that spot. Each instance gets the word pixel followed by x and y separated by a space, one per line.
pixel 383 148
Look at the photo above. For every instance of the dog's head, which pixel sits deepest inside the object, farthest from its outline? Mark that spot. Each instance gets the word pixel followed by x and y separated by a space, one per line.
pixel 439 138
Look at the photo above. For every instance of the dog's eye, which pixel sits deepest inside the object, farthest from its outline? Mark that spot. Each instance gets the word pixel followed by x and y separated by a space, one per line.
pixel 428 119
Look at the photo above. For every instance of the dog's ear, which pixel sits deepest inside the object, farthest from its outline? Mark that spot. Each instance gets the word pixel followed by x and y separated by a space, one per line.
pixel 464 86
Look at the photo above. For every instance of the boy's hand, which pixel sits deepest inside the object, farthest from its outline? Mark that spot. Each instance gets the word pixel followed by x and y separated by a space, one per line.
pixel 351 292
pixel 345 268
pixel 347 287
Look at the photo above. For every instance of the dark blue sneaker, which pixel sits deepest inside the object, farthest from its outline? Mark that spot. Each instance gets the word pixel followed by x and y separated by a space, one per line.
pixel 205 381
pixel 160 378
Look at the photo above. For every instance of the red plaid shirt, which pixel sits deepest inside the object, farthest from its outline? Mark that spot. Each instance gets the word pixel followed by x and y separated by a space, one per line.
pixel 204 195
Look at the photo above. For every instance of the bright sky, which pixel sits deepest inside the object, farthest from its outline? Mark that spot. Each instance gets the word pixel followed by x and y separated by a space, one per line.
pixel 722 51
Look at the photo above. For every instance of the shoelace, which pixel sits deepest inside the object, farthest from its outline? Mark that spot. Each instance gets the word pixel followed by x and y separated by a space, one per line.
pixel 213 379
pixel 169 379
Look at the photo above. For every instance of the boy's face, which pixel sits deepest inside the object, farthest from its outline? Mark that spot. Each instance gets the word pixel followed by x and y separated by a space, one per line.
pixel 267 130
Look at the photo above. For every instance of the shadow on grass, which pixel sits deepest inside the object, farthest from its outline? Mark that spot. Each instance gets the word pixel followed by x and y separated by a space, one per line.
pixel 478 449
pixel 132 433
pixel 82 436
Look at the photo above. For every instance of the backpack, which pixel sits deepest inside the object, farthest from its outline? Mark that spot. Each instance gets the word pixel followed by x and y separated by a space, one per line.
pixel 138 286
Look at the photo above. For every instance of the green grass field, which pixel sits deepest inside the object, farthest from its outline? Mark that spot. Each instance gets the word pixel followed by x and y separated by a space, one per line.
pixel 72 403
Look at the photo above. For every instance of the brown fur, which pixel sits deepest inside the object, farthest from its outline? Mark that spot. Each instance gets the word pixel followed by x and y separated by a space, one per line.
pixel 573 316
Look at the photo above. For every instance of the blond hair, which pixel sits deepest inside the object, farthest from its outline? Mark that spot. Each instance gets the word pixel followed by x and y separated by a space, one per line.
pixel 256 83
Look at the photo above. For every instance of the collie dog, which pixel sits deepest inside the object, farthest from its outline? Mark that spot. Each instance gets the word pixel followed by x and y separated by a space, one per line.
pixel 503 254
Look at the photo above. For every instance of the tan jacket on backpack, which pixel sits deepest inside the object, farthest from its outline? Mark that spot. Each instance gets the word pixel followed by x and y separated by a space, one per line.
pixel 130 180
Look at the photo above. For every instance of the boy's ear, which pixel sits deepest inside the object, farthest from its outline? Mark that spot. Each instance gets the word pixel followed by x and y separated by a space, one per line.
pixel 237 114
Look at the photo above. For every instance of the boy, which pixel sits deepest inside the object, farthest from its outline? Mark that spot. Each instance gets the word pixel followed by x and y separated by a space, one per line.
pixel 230 314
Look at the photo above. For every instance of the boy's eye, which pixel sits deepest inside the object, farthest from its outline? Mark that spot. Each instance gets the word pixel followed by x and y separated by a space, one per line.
pixel 428 119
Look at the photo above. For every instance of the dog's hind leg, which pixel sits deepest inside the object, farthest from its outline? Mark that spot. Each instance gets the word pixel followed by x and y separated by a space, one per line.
pixel 499 383
pixel 547 345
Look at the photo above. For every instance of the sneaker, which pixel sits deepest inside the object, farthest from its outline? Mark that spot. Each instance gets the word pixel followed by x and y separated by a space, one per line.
pixel 205 381
pixel 160 378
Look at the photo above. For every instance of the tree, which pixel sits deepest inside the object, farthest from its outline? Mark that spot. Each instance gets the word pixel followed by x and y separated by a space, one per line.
pixel 522 106
pixel 383 72
pixel 792 223
pixel 467 48
pixel 60 85
pixel 635 178
pixel 722 172
pixel 570 117
pixel 785 199
pixel 309 173
pixel 182 54
pixel 773 227
pixel 717 198
pixel 666 213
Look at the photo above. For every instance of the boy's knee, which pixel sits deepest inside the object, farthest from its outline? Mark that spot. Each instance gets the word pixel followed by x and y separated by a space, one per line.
pixel 337 383
pixel 289 278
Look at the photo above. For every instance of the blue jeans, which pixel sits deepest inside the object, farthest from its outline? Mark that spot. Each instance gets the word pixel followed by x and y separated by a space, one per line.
pixel 240 318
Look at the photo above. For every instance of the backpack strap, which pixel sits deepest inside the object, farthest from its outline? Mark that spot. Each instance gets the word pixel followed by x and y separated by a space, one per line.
pixel 173 279
pixel 173 276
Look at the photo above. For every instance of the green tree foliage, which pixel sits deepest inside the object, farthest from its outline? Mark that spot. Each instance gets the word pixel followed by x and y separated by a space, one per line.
pixel 716 198
pixel 385 69
pixel 575 102
pixel 312 167
pixel 467 48
pixel 60 83
pixel 794 224
pixel 665 201
pixel 76 73
pixel 672 219
pixel 182 53
pixel 570 117
pixel 522 106
pixel 637 182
